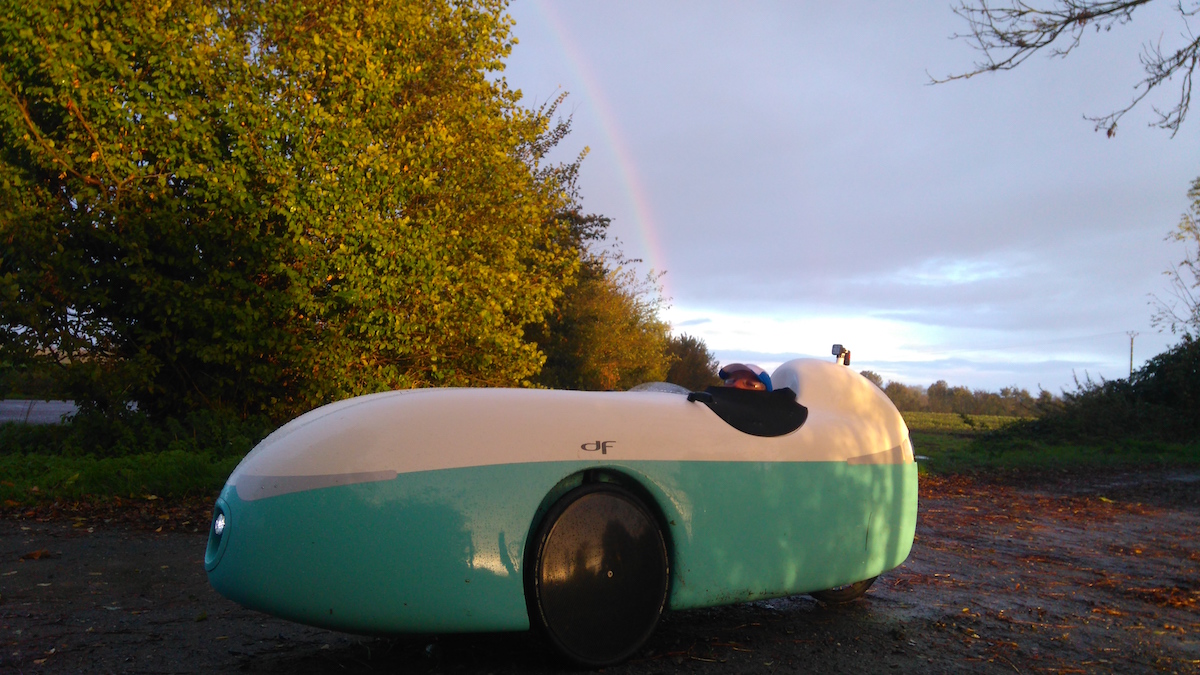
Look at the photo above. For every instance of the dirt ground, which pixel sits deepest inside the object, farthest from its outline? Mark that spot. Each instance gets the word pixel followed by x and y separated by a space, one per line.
pixel 1066 574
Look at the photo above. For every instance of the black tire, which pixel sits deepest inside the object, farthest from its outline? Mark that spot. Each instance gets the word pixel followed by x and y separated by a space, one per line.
pixel 844 594
pixel 598 580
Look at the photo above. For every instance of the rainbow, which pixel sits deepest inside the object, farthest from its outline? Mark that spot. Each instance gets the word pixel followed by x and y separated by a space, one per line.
pixel 593 94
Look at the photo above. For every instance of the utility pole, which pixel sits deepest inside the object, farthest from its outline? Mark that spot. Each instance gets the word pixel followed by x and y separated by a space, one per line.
pixel 1132 334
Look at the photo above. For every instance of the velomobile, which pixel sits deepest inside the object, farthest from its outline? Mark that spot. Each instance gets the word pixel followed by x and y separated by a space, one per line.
pixel 583 514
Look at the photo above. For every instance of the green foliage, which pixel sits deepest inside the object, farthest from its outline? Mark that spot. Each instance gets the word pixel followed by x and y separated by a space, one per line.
pixel 263 206
pixel 124 454
pixel 174 473
pixel 1160 402
pixel 1149 420
pixel 985 444
pixel 129 433
pixel 692 365
pixel 940 397
pixel 873 376
pixel 41 384
pixel 906 398
pixel 606 334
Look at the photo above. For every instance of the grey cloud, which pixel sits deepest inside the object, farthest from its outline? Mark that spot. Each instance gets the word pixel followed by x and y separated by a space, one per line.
pixel 795 161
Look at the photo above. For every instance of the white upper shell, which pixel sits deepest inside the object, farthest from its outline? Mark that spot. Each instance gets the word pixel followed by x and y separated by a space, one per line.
pixel 379 436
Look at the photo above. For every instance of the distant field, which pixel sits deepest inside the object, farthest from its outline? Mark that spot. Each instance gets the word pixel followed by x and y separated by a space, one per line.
pixel 948 443
pixel 954 422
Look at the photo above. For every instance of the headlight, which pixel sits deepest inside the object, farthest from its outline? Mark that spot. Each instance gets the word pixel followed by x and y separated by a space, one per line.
pixel 218 535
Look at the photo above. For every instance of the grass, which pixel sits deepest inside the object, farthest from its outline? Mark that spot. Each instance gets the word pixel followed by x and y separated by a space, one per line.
pixel 30 478
pixel 955 423
pixel 97 456
pixel 953 444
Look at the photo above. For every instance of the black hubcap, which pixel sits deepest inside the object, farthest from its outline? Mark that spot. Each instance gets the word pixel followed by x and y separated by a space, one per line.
pixel 601 574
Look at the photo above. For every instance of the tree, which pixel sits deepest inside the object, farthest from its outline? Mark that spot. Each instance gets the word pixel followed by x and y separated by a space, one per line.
pixel 692 365
pixel 940 397
pixel 605 334
pixel 263 206
pixel 1160 401
pixel 873 376
pixel 906 398
pixel 1181 313
pixel 1010 34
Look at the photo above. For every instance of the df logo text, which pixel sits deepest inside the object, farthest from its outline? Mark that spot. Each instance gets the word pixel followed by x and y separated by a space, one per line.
pixel 598 446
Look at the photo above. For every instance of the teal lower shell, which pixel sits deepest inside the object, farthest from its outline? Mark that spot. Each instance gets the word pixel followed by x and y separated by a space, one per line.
pixel 444 551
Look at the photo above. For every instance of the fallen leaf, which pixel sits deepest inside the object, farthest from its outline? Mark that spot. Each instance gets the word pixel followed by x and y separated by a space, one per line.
pixel 38 554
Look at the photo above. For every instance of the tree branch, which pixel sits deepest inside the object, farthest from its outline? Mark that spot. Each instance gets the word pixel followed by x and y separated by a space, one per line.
pixel 40 139
pixel 1009 35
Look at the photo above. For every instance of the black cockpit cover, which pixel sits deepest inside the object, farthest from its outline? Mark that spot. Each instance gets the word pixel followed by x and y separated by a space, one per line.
pixel 759 413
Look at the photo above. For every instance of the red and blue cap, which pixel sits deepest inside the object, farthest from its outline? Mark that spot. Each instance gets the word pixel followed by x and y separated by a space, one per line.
pixel 735 372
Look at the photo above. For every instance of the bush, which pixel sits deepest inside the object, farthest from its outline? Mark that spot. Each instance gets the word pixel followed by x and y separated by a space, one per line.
pixel 124 454
pixel 130 433
pixel 264 206
pixel 1160 402
pixel 174 473
pixel 692 365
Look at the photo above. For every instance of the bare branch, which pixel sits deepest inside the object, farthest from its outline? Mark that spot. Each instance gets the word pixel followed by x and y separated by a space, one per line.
pixel 1010 34
pixel 1159 69
pixel 1181 312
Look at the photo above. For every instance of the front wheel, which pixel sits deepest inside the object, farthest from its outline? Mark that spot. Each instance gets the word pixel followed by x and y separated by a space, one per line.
pixel 598 582
pixel 843 594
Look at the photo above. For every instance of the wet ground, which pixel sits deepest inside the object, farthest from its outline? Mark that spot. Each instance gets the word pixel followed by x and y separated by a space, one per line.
pixel 1067 574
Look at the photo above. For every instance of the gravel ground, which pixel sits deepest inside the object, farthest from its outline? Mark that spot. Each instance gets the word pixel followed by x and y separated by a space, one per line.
pixel 1066 574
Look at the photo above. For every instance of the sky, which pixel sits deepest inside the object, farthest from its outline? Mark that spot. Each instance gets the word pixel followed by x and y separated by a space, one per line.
pixel 791 169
